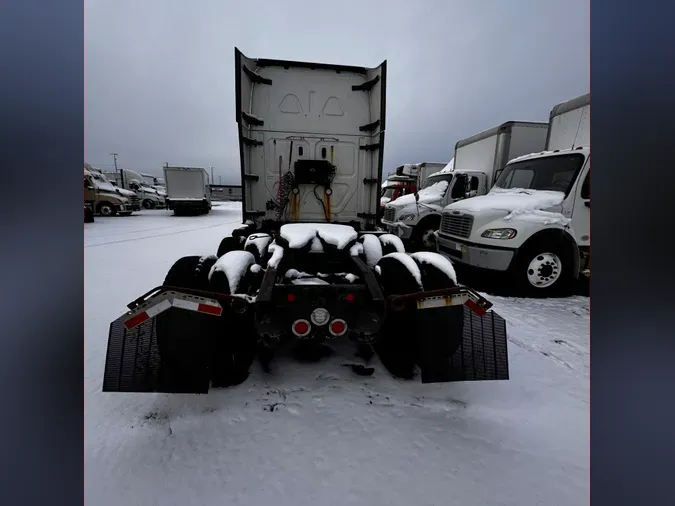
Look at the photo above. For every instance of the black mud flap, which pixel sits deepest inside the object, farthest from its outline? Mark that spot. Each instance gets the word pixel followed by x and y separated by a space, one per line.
pixel 481 354
pixel 134 364
pixel 165 344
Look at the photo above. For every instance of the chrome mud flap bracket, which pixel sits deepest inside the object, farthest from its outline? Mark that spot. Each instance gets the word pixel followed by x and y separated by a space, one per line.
pixel 460 338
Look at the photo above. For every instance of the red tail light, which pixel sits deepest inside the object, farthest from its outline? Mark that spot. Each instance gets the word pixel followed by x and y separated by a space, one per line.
pixel 337 327
pixel 291 297
pixel 301 328
pixel 350 297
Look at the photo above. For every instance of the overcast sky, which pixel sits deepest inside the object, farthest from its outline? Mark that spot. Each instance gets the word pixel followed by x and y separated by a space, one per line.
pixel 159 74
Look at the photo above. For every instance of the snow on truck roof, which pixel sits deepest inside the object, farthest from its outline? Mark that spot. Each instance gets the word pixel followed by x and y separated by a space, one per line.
pixel 582 149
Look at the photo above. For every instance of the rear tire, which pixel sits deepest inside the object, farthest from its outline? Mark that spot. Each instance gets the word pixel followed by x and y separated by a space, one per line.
pixel 229 244
pixel 396 344
pixel 182 336
pixel 233 338
pixel 148 204
pixel 439 330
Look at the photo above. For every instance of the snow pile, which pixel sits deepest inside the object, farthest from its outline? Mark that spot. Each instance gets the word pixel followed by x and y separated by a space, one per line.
pixel 295 274
pixel 427 195
pixel 392 240
pixel 299 234
pixel 351 277
pixel 521 204
pixel 372 247
pixel 277 254
pixel 309 281
pixel 409 264
pixel 126 193
pixel 234 265
pixel 255 268
pixel 449 167
pixel 103 185
pixel 356 249
pixel 438 261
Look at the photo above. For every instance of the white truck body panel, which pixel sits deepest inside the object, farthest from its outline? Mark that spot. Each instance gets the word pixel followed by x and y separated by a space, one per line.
pixel 489 151
pixel 186 184
pixel 570 124
pixel 291 111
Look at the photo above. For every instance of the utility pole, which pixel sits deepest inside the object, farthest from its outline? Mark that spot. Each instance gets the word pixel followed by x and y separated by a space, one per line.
pixel 114 155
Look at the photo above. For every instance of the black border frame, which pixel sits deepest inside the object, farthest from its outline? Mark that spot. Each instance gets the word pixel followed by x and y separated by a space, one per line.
pixel 632 414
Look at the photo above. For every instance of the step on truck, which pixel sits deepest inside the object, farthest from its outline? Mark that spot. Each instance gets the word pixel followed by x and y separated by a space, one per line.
pixel 307 266
pixel 477 162
pixel 534 225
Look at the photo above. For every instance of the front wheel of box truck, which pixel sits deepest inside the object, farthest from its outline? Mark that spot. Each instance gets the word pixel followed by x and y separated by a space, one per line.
pixel 542 269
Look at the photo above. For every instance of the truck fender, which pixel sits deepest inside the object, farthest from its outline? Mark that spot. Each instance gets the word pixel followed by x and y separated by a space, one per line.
pixel 555 235
pixel 430 217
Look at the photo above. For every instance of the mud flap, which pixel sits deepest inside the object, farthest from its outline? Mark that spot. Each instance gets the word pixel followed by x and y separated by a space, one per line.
pixel 481 354
pixel 134 364
pixel 166 342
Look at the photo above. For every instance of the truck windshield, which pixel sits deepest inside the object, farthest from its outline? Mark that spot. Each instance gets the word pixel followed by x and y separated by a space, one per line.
pixel 434 179
pixel 556 173
pixel 388 192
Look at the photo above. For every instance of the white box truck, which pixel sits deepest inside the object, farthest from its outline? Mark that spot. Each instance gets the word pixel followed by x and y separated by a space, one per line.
pixel 477 162
pixel 534 223
pixel 187 190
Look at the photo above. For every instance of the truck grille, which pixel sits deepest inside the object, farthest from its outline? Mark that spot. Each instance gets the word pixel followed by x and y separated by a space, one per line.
pixel 389 214
pixel 458 225
pixel 135 200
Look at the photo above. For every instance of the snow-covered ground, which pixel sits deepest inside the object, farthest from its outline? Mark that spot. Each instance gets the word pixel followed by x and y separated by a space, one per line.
pixel 317 434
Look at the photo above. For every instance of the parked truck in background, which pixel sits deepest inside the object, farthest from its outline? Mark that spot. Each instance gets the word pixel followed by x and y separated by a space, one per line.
pixel 534 223
pixel 187 190
pixel 478 160
pixel 103 197
pixel 308 265
pixel 157 183
pixel 133 181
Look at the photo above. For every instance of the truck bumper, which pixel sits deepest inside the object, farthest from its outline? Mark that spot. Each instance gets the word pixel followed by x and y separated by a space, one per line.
pixel 393 228
pixel 476 256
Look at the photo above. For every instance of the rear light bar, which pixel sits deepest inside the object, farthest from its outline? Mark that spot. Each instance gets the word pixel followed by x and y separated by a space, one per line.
pixel 456 296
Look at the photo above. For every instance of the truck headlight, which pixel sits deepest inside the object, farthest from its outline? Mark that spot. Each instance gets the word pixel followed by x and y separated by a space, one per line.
pixel 407 217
pixel 499 233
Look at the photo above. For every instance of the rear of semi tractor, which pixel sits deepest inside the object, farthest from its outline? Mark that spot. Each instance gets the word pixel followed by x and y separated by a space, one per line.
pixel 308 265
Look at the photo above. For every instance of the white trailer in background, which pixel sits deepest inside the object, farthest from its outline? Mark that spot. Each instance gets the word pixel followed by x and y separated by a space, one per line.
pixel 187 190
pixel 478 161
pixel 535 222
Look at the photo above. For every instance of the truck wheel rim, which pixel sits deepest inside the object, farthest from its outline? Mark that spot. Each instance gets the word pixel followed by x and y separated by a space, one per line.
pixel 106 211
pixel 428 239
pixel 544 270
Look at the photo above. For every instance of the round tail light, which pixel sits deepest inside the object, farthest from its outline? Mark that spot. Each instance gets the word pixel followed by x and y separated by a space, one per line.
pixel 337 327
pixel 301 328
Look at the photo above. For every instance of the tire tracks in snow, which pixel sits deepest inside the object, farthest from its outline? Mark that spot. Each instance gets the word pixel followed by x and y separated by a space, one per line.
pixel 161 235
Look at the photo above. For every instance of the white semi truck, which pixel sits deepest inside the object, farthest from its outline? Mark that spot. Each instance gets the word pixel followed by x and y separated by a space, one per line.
pixel 187 190
pixel 534 223
pixel 308 265
pixel 133 181
pixel 478 160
